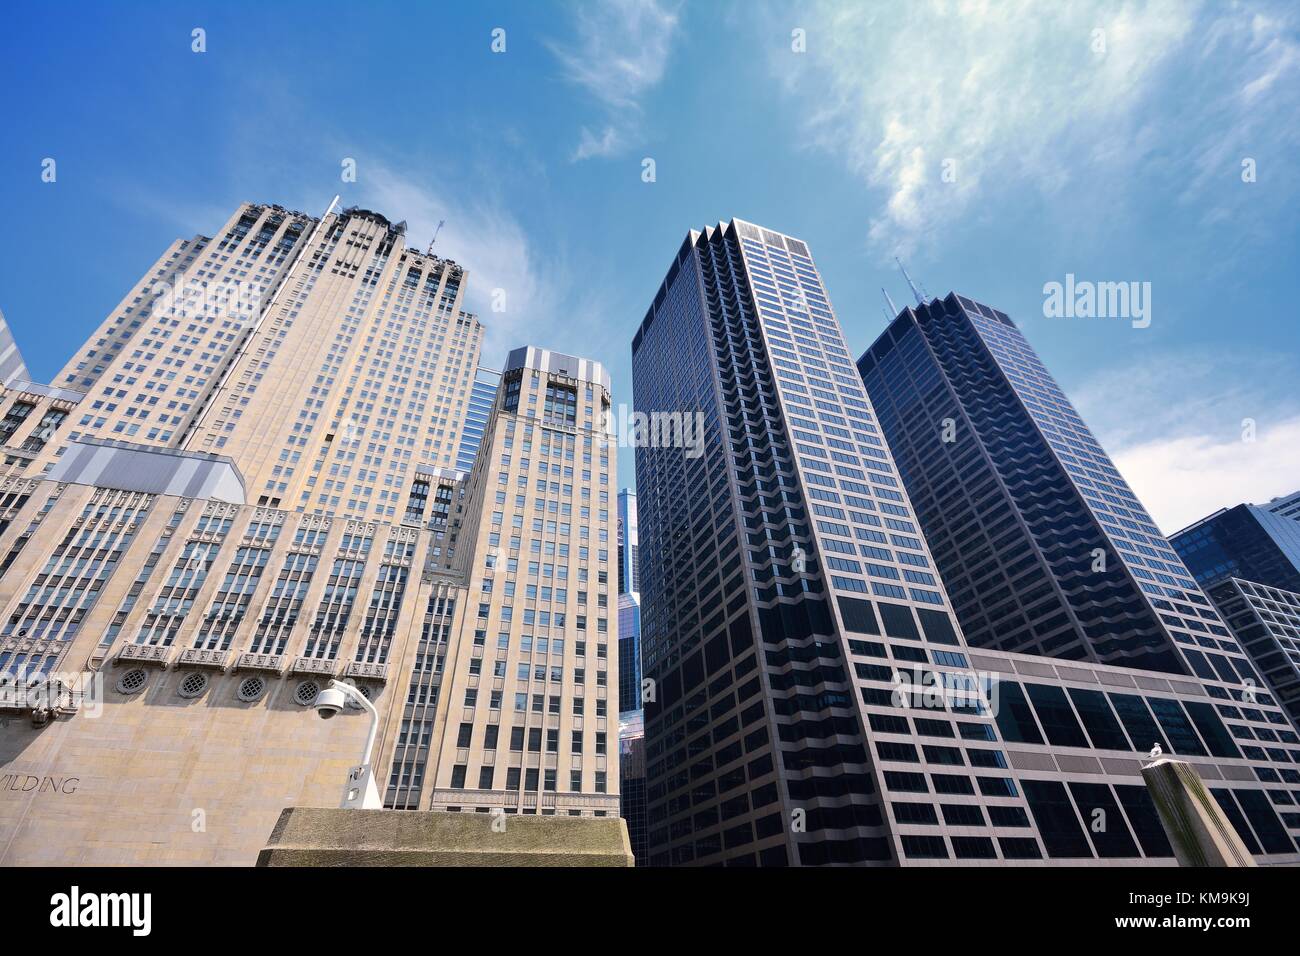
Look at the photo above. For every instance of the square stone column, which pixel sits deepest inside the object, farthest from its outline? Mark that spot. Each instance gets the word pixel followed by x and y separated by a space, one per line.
pixel 1198 830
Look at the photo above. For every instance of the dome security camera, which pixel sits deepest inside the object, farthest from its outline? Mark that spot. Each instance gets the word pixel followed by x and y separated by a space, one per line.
pixel 330 702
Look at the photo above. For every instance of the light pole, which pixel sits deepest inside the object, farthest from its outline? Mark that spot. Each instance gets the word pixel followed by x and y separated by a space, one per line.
pixel 360 793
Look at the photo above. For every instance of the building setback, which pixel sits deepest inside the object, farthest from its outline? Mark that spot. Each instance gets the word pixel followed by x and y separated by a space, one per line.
pixel 238 492
pixel 813 699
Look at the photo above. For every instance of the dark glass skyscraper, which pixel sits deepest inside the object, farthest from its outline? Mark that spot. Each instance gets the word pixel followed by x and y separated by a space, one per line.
pixel 629 651
pixel 1259 543
pixel 1266 620
pixel 478 411
pixel 1248 560
pixel 1043 546
pixel 813 700
pixel 629 549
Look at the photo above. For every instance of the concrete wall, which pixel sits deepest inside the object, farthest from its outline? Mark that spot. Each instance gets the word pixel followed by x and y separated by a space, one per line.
pixel 161 779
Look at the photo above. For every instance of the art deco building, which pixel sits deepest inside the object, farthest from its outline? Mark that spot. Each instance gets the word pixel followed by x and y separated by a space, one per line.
pixel 246 484
pixel 13 368
pixel 814 698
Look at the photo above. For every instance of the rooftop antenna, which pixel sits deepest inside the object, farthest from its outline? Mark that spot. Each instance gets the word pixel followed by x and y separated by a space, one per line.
pixel 892 310
pixel 441 223
pixel 910 284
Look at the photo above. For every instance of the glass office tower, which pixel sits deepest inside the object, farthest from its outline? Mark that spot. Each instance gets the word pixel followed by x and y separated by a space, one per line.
pixel 631 718
pixel 478 411
pixel 629 561
pixel 1248 560
pixel 1044 547
pixel 1259 543
pixel 1266 620
pixel 631 772
pixel 629 652
pixel 792 615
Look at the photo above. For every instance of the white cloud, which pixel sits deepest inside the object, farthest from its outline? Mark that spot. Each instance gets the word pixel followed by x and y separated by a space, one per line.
pixel 1156 396
pixel 1183 479
pixel 1174 425
pixel 1017 93
pixel 484 238
pixel 606 144
pixel 620 52
pixel 547 303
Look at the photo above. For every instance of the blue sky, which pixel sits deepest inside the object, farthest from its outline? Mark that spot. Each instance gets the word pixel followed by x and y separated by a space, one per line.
pixel 1115 156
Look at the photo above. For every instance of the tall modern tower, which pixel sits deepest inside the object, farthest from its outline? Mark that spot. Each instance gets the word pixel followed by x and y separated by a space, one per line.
pixel 246 484
pixel 482 397
pixel 1247 558
pixel 1259 543
pixel 1044 547
pixel 629 548
pixel 813 698
pixel 631 731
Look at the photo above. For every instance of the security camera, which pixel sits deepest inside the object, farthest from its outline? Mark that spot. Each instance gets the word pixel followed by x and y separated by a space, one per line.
pixel 330 702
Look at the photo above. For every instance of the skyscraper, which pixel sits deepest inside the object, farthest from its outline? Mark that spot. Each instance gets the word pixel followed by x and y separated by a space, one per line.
pixel 482 397
pixel 629 549
pixel 372 356
pixel 13 368
pixel 1044 547
pixel 1258 543
pixel 812 697
pixel 1266 621
pixel 1248 560
pixel 629 651
pixel 631 729
pixel 631 771
pixel 245 486
pixel 539 733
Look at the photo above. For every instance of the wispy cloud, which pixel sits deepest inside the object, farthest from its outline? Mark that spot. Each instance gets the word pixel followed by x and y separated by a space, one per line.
pixel 1186 478
pixel 619 53
pixel 1194 432
pixel 1022 94
pixel 524 291
pixel 608 142
pixel 484 238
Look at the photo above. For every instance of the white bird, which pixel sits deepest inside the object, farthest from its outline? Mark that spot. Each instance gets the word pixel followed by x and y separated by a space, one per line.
pixel 1155 752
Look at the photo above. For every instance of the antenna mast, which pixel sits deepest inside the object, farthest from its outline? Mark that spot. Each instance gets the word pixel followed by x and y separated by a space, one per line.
pixel 441 223
pixel 910 284
pixel 892 310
